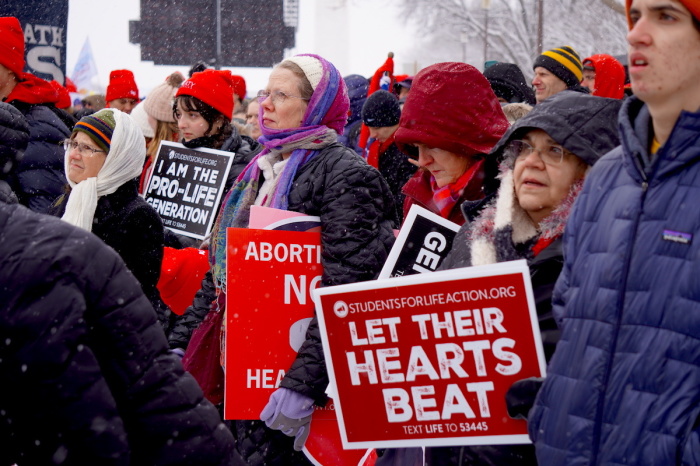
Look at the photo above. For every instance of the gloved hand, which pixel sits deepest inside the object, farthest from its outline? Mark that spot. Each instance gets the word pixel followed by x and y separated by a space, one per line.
pixel 289 412
pixel 179 351
pixel 520 397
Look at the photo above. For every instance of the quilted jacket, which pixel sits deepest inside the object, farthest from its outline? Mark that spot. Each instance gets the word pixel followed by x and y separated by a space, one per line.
pixel 623 386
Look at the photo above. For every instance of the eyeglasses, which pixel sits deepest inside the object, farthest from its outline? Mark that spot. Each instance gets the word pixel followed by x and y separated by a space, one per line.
pixel 83 149
pixel 277 97
pixel 551 155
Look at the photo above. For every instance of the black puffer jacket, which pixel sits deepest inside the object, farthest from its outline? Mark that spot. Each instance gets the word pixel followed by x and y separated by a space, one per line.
pixel 14 137
pixel 127 223
pixel 86 374
pixel 39 178
pixel 352 200
pixel 396 170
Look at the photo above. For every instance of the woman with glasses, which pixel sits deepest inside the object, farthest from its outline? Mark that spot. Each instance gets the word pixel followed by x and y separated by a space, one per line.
pixel 103 160
pixel 303 169
pixel 544 159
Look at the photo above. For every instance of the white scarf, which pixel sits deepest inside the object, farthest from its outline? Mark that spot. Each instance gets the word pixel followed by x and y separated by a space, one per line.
pixel 124 162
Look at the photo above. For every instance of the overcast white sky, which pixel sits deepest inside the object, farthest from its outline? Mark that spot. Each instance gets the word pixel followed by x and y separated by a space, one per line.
pixel 356 40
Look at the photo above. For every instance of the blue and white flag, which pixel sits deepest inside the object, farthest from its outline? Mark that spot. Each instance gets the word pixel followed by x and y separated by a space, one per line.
pixel 85 69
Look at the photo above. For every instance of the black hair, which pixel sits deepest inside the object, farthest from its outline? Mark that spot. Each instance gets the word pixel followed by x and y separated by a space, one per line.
pixel 197 67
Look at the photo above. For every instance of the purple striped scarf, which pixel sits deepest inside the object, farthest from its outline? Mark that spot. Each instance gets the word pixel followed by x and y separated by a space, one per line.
pixel 324 119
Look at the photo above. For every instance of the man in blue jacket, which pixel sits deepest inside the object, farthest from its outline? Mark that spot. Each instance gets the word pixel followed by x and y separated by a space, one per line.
pixel 623 386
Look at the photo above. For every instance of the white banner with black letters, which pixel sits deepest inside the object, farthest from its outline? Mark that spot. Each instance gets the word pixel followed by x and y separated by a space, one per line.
pixel 186 187
pixel 424 241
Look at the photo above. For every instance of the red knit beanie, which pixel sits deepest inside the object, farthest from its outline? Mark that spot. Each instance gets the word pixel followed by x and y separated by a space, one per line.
pixel 692 5
pixel 213 87
pixel 239 87
pixel 11 44
pixel 452 107
pixel 121 86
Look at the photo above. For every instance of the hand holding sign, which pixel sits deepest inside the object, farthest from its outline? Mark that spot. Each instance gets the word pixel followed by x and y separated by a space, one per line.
pixel 289 412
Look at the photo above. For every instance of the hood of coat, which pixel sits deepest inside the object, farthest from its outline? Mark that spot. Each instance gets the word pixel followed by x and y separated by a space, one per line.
pixel 584 124
pixel 609 76
pixel 452 107
pixel 508 82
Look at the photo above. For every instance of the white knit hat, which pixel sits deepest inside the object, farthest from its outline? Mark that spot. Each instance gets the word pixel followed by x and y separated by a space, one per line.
pixel 312 68
pixel 159 103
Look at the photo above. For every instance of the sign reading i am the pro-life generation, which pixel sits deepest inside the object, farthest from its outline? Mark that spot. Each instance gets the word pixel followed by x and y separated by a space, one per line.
pixel 427 359
pixel 186 187
pixel 424 241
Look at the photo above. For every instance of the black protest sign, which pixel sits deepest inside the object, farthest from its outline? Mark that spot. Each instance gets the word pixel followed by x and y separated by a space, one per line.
pixel 186 187
pixel 422 244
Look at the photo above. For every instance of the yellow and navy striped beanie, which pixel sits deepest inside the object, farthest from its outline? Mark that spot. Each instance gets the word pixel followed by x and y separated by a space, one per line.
pixel 99 126
pixel 564 63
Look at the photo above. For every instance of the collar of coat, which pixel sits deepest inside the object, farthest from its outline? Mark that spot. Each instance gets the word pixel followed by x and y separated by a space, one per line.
pixel 505 232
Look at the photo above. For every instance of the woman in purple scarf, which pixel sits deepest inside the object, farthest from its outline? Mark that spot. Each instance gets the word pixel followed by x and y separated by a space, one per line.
pixel 304 169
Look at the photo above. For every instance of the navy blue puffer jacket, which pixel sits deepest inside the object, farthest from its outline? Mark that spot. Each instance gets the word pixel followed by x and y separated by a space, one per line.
pixel 623 386
pixel 39 178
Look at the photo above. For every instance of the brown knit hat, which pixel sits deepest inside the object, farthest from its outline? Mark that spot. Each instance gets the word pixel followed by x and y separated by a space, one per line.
pixel 159 103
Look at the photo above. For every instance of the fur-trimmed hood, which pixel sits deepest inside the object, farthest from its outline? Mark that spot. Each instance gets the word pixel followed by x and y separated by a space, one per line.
pixel 505 232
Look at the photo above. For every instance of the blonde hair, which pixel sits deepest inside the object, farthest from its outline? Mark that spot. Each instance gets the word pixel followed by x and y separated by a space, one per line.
pixel 164 132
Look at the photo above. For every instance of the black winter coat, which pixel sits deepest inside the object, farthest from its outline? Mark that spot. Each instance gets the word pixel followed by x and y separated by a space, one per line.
pixel 39 178
pixel 86 374
pixel 352 200
pixel 14 137
pixel 396 170
pixel 127 223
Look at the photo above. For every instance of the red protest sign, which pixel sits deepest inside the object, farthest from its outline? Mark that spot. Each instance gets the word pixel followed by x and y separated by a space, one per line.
pixel 427 359
pixel 269 306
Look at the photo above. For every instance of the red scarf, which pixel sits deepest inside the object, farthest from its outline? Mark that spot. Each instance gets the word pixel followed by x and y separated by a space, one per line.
pixel 446 197
pixel 542 244
pixel 376 149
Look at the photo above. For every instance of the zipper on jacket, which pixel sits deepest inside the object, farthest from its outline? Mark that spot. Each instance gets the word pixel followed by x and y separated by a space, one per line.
pixel 620 306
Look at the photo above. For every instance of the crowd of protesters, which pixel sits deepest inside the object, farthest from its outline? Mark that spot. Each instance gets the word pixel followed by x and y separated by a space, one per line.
pixel 587 172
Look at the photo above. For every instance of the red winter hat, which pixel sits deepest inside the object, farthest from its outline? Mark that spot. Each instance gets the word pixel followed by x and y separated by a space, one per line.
pixel 11 44
pixel 239 87
pixel 121 86
pixel 63 96
pixel 692 5
pixel 470 120
pixel 213 87
pixel 181 276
